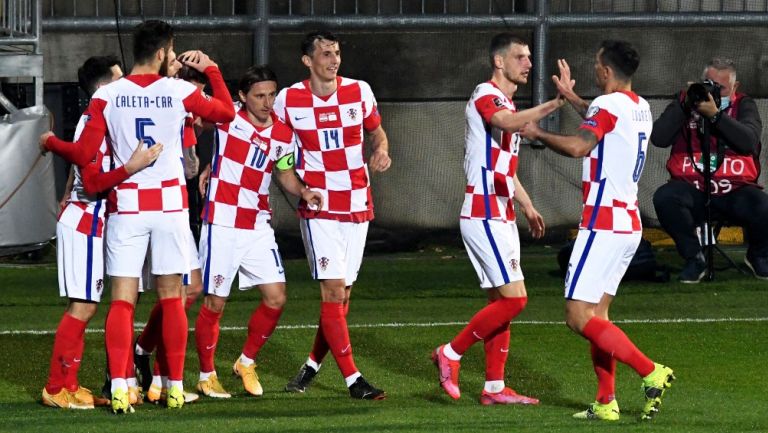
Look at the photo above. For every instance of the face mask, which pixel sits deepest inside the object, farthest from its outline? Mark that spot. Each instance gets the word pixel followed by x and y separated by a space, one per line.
pixel 725 101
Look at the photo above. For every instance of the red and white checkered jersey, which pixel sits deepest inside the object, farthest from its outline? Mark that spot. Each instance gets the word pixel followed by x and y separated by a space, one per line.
pixel 490 157
pixel 329 136
pixel 622 122
pixel 81 207
pixel 241 171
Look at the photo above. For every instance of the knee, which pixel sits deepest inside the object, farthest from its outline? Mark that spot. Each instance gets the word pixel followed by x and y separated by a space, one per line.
pixel 333 291
pixel 275 300
pixel 83 311
pixel 215 303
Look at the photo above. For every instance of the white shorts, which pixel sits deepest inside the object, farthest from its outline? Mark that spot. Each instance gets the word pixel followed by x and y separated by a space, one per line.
pixel 334 248
pixel 128 237
pixel 494 250
pixel 80 260
pixel 252 254
pixel 597 264
pixel 146 281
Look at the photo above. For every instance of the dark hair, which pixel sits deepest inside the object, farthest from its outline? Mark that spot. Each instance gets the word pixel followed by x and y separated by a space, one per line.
pixel 148 37
pixel 255 74
pixel 621 57
pixel 308 44
pixel 501 42
pixel 96 70
pixel 191 74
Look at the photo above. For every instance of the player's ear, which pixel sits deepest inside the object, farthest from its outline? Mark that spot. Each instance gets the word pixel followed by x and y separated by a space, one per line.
pixel 160 54
pixel 498 61
pixel 241 95
pixel 306 60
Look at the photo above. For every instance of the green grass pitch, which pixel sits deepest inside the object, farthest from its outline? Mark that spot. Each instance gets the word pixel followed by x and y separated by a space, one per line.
pixel 714 335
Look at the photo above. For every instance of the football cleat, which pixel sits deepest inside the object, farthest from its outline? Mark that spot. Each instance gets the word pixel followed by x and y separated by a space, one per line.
pixel 155 394
pixel 654 386
pixel 120 402
pixel 175 399
pixel 363 390
pixel 190 397
pixel 134 396
pixel 64 399
pixel 212 387
pixel 302 380
pixel 249 376
pixel 600 411
pixel 143 369
pixel 84 396
pixel 505 396
pixel 448 372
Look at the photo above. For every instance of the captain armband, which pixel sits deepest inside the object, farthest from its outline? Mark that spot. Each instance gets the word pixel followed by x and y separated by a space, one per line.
pixel 286 162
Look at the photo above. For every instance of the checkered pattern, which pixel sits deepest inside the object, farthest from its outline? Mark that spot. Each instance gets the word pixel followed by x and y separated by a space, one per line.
pixel 81 208
pixel 238 192
pixel 622 123
pixel 329 134
pixel 490 158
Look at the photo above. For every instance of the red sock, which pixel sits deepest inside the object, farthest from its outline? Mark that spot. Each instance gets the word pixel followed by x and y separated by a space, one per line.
pixel 206 337
pixel 117 337
pixel 130 368
pixel 496 353
pixel 160 368
pixel 320 346
pixel 70 381
pixel 263 322
pixel 175 329
pixel 189 302
pixel 486 321
pixel 69 334
pixel 605 369
pixel 334 326
pixel 151 333
pixel 612 340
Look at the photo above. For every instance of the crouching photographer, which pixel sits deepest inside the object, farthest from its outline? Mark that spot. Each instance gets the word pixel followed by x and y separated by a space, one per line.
pixel 732 121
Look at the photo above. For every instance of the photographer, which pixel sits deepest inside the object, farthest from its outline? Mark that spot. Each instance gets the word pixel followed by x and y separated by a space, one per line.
pixel 735 127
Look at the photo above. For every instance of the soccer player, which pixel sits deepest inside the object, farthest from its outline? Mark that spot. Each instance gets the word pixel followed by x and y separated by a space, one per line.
pixel 236 237
pixel 151 205
pixel 329 114
pixel 80 252
pixel 488 218
pixel 612 140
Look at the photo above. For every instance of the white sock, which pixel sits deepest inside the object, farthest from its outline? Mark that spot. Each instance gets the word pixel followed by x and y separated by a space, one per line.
pixel 352 378
pixel 157 381
pixel 205 376
pixel 140 350
pixel 450 353
pixel 164 382
pixel 313 364
pixel 132 383
pixel 179 383
pixel 119 384
pixel 246 361
pixel 493 386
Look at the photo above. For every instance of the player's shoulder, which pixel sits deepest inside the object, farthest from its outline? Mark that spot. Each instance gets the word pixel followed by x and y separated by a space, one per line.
pixel 280 130
pixel 486 88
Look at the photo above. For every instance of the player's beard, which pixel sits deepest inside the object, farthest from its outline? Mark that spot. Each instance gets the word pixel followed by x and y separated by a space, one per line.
pixel 163 72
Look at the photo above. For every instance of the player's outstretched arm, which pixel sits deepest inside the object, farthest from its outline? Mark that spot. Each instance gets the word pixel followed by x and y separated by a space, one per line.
pixel 379 160
pixel 511 121
pixel 291 183
pixel 574 146
pixel 219 109
pixel 564 84
pixel 535 220
pixel 95 181
pixel 87 146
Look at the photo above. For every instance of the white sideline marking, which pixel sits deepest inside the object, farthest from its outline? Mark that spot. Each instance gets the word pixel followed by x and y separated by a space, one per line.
pixel 140 326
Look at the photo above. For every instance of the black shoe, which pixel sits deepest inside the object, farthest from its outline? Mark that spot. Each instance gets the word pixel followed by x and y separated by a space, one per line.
pixel 302 380
pixel 758 265
pixel 106 389
pixel 143 369
pixel 363 390
pixel 694 270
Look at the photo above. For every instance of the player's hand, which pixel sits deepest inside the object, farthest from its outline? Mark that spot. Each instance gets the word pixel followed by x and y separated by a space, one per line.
pixel 43 139
pixel 564 83
pixel 707 108
pixel 535 222
pixel 63 202
pixel 143 156
pixel 530 130
pixel 202 183
pixel 313 198
pixel 197 60
pixel 379 161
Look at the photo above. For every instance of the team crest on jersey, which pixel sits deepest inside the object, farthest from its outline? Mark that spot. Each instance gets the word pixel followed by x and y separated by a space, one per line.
pixel 327 117
pixel 278 152
pixel 324 261
pixel 218 280
pixel 592 111
pixel 99 285
pixel 352 113
pixel 513 264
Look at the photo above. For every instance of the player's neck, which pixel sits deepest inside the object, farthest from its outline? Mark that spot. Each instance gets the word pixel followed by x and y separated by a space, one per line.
pixel 144 69
pixel 617 86
pixel 258 123
pixel 508 88
pixel 320 87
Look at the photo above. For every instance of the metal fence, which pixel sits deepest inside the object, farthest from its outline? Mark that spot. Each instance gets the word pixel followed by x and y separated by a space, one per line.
pixel 20 30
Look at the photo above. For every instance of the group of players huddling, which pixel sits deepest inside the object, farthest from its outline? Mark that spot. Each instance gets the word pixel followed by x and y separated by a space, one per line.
pixel 132 149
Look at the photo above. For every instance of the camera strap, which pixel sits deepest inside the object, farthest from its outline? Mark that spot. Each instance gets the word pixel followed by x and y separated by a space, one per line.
pixel 719 154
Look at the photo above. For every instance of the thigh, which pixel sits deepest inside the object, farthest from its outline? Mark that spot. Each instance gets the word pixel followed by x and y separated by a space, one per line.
pixel 597 264
pixel 494 250
pixel 80 260
pixel 170 236
pixel 262 263
pixel 220 256
pixel 127 240
pixel 742 206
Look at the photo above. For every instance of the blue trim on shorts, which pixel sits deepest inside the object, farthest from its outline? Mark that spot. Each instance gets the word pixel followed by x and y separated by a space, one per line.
pixel 185 279
pixel 312 245
pixel 496 253
pixel 580 266
pixel 89 268
pixel 207 274
pixel 488 146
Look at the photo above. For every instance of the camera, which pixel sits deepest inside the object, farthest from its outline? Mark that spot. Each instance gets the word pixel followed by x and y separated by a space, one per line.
pixel 697 93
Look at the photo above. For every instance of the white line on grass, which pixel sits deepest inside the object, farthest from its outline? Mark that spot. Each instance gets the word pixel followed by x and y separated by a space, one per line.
pixel 139 326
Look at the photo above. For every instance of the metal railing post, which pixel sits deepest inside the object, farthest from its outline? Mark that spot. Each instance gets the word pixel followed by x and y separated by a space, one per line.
pixel 261 33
